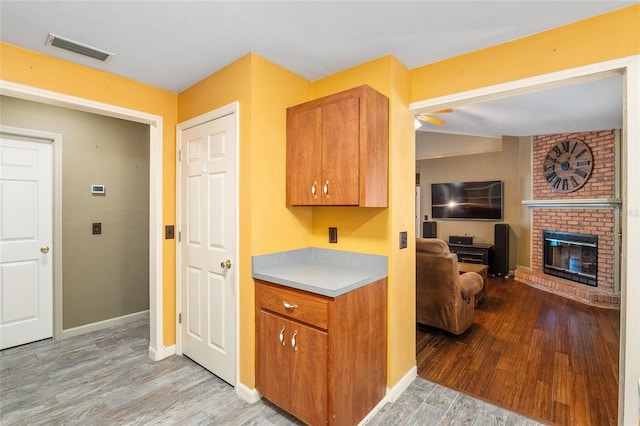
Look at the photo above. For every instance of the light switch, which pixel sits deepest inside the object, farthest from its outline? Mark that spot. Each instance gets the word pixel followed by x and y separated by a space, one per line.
pixel 96 228
pixel 403 239
pixel 169 232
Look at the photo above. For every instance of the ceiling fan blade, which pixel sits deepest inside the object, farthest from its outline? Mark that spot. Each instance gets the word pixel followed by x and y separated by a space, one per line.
pixel 440 111
pixel 431 120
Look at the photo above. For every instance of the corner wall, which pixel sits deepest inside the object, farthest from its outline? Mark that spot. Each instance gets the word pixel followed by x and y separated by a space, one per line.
pixel 374 230
pixel 264 90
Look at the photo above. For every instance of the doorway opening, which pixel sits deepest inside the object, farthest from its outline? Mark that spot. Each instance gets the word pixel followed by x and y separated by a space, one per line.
pixel 628 68
pixel 157 350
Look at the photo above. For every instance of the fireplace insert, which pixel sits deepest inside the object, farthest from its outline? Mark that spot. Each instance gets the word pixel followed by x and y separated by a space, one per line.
pixel 571 256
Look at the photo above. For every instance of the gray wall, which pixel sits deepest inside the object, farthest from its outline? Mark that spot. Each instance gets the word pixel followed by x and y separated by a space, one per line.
pixel 510 163
pixel 104 276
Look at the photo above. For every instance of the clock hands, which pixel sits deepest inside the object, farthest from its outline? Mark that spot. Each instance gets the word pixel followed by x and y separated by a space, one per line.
pixel 567 165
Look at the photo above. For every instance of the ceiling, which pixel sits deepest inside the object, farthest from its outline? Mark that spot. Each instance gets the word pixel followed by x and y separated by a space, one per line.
pixel 595 105
pixel 174 44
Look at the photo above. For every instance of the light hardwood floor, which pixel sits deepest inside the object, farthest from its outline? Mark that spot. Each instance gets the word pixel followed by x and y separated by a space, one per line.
pixel 107 378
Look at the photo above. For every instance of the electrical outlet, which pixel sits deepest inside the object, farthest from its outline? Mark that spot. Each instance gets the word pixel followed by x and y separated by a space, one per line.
pixel 403 239
pixel 169 232
pixel 333 235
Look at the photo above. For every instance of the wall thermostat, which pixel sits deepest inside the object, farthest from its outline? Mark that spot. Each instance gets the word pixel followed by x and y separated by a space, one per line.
pixel 97 189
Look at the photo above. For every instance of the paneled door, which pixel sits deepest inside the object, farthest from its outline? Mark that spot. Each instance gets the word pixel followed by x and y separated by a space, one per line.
pixel 26 220
pixel 208 245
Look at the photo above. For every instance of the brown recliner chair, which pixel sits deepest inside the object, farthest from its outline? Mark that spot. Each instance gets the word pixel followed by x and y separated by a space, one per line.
pixel 444 298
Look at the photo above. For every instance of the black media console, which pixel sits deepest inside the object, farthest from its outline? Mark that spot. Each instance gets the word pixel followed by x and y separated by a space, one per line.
pixel 474 253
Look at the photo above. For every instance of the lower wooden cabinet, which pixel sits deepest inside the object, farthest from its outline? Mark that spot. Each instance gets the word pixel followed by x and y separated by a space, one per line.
pixel 322 359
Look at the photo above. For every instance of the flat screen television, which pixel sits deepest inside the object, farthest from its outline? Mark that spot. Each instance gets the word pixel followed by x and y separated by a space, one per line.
pixel 467 200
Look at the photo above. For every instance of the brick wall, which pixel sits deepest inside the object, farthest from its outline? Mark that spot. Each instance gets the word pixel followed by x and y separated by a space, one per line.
pixel 601 184
pixel 600 222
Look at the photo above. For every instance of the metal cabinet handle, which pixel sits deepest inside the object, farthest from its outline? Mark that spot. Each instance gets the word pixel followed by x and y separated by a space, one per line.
pixel 325 189
pixel 282 335
pixel 313 189
pixel 293 341
pixel 289 306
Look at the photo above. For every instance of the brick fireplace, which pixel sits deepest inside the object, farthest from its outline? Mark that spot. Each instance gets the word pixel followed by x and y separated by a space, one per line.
pixel 593 210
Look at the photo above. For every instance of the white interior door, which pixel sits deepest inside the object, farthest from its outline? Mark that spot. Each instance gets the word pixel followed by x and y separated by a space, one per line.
pixel 26 220
pixel 208 246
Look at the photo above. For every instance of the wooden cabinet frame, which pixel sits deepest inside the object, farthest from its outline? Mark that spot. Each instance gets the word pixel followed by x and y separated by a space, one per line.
pixel 349 376
pixel 338 150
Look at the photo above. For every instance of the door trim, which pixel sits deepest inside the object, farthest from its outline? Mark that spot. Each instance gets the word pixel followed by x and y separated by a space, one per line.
pixel 232 108
pixel 157 350
pixel 629 67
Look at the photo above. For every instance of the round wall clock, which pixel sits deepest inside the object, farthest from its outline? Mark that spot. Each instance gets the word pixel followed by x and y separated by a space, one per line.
pixel 568 165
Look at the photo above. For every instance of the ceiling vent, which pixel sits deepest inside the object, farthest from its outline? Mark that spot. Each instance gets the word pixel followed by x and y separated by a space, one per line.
pixel 79 48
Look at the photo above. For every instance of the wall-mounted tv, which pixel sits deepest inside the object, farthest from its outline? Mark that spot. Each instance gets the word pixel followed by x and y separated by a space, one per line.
pixel 467 200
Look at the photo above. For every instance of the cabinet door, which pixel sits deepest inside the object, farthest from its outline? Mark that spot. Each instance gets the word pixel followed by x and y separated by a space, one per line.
pixel 304 145
pixel 273 358
pixel 309 374
pixel 341 152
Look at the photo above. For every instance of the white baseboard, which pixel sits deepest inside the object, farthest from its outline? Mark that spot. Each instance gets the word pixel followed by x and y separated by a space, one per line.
pixel 162 352
pixel 169 350
pixel 247 394
pixel 394 393
pixel 252 395
pixel 375 410
pixel 101 325
pixel 156 354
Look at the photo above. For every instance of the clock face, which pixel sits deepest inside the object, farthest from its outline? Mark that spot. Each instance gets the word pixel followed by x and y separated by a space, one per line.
pixel 568 165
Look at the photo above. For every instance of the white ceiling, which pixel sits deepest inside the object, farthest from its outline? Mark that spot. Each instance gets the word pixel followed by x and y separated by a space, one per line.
pixel 174 44
pixel 596 105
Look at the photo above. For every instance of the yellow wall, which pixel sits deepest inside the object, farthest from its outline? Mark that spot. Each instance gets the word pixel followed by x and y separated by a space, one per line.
pixel 375 230
pixel 598 39
pixel 44 72
pixel 264 91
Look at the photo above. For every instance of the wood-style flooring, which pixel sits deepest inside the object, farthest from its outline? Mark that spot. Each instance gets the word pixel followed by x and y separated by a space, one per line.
pixel 538 354
pixel 106 378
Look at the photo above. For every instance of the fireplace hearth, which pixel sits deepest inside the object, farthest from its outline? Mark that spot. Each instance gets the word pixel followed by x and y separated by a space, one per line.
pixel 571 256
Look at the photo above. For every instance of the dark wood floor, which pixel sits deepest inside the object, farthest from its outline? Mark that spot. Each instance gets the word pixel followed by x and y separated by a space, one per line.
pixel 541 355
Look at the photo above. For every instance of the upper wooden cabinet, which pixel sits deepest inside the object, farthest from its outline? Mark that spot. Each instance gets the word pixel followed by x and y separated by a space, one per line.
pixel 338 150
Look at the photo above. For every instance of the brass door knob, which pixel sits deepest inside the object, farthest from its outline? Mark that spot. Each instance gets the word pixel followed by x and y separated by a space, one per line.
pixel 44 249
pixel 226 264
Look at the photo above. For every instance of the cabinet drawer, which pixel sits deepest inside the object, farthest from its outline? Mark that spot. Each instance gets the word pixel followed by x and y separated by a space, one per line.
pixel 305 307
